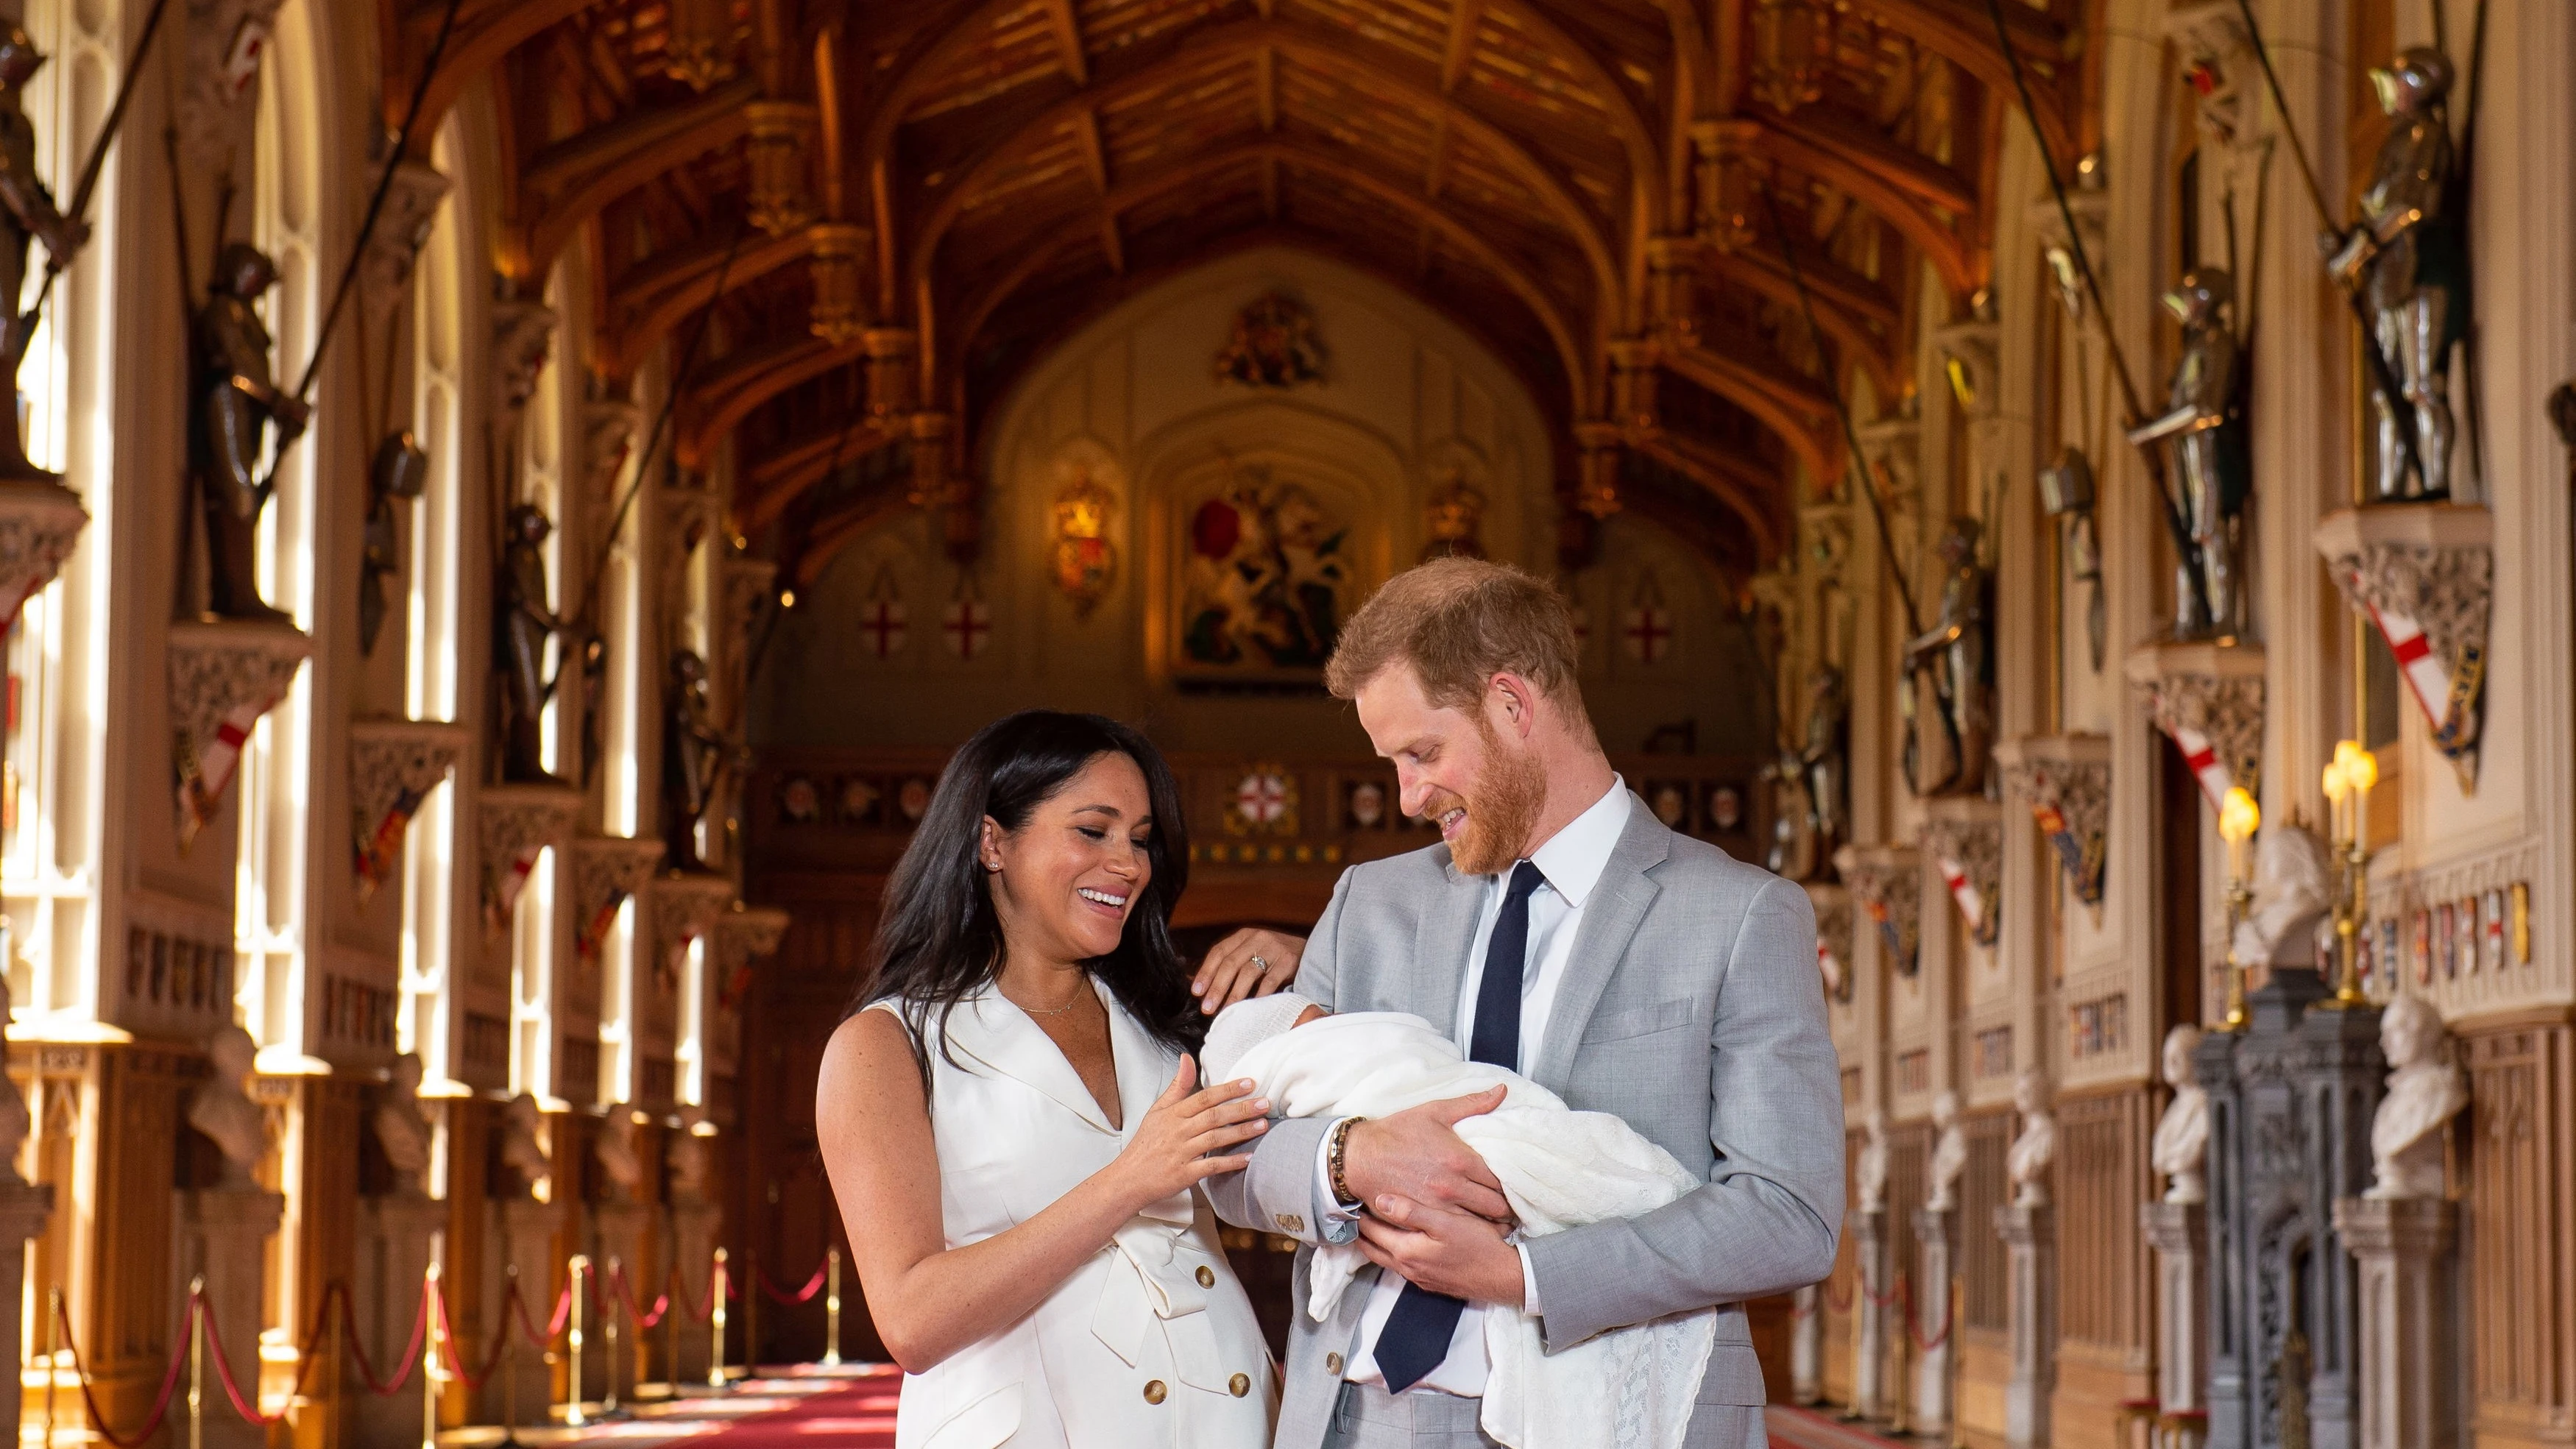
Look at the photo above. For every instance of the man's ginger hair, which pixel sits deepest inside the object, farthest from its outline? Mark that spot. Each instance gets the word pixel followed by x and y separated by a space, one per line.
pixel 1459 622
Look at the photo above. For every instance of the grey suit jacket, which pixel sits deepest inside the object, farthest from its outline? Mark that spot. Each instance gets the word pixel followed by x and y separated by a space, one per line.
pixel 1691 1007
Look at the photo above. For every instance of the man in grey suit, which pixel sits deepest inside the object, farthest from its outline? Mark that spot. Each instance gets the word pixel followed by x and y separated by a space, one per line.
pixel 1561 930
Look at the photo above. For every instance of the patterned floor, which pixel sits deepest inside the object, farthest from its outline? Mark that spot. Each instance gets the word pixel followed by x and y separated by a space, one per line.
pixel 805 1405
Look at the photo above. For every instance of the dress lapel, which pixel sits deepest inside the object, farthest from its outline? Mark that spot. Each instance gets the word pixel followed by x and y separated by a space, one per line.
pixel 1610 917
pixel 1443 934
pixel 987 1029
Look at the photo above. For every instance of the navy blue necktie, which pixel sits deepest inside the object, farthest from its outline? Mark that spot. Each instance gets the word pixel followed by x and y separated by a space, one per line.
pixel 1416 1336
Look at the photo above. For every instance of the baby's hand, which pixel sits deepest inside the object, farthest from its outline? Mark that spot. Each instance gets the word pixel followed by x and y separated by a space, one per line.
pixel 1311 1013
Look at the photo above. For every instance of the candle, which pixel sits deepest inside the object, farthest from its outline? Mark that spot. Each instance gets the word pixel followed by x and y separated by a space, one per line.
pixel 2338 787
pixel 2238 818
pixel 2363 771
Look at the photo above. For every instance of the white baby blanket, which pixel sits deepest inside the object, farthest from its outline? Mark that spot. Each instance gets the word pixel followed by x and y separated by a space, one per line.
pixel 1631 1388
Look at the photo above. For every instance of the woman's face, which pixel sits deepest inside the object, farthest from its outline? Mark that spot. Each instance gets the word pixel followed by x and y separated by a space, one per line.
pixel 1064 882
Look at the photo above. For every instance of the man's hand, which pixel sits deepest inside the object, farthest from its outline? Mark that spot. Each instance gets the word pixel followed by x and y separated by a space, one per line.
pixel 1251 962
pixel 1416 1155
pixel 1443 1249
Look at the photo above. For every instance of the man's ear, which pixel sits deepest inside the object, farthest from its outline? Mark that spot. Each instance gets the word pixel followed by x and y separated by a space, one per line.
pixel 1518 701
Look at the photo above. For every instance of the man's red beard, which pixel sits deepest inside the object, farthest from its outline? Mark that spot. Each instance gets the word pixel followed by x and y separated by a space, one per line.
pixel 1501 812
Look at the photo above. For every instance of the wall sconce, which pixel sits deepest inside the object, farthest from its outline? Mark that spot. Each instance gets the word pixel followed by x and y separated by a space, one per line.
pixel 2066 492
pixel 2238 818
pixel 2349 777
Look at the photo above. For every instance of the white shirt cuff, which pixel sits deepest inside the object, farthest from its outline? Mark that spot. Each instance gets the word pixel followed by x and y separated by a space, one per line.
pixel 1328 1203
pixel 1529 1283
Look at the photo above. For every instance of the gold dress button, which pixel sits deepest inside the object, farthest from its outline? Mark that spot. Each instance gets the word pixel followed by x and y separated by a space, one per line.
pixel 1207 1276
pixel 1239 1385
pixel 1333 1364
pixel 1154 1391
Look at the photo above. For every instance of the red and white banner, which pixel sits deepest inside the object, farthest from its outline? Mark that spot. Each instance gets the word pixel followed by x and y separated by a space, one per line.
pixel 1972 902
pixel 205 771
pixel 2449 701
pixel 2204 763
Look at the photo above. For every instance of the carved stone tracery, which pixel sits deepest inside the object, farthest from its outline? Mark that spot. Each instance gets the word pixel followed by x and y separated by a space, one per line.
pixel 393 764
pixel 39 524
pixel 519 823
pixel 224 674
pixel 606 869
pixel 1971 840
pixel 683 908
pixel 523 337
pixel 1887 883
pixel 411 207
pixel 2424 574
pixel 2066 782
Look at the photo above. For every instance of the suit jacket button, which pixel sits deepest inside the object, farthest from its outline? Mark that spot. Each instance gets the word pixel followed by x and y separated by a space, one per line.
pixel 1206 1276
pixel 1333 1364
pixel 1292 1222
pixel 1239 1385
pixel 1154 1391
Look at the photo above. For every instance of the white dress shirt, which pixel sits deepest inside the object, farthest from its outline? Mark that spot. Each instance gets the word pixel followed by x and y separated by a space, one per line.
pixel 1570 863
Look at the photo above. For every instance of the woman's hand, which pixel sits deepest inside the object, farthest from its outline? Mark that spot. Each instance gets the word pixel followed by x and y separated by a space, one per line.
pixel 1171 1149
pixel 1251 962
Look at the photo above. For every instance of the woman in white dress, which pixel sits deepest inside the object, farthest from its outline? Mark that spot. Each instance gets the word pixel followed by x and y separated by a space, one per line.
pixel 1014 1131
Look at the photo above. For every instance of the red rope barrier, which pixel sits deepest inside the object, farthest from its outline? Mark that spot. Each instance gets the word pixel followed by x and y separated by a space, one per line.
pixel 805 1294
pixel 644 1322
pixel 474 1381
pixel 1914 1326
pixel 306 1357
pixel 410 1353
pixel 160 1403
pixel 707 1299
pixel 554 1325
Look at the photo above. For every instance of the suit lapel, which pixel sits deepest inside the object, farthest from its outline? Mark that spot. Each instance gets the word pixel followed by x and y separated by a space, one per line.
pixel 1443 934
pixel 988 1029
pixel 1611 916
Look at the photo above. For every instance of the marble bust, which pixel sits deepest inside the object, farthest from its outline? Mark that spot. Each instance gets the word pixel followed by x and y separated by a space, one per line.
pixel 1871 1172
pixel 2425 1091
pixel 2293 892
pixel 615 1150
pixel 402 1131
pixel 1949 1153
pixel 521 1151
pixel 222 1109
pixel 2181 1146
pixel 2027 1163
pixel 691 1158
pixel 14 1122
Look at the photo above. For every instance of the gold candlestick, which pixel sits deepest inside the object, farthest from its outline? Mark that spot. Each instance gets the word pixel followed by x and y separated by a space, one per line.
pixel 2348 781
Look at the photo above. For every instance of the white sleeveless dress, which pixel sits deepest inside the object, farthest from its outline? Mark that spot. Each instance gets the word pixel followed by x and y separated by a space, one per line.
pixel 1150 1344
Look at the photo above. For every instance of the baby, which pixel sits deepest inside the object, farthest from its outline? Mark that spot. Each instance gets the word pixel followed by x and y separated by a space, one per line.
pixel 1631 1388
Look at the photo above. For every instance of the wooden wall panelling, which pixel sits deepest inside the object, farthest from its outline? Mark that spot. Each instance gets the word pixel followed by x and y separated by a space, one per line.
pixel 469 1123
pixel 1840 1300
pixel 2106 1293
pixel 321 1206
pixel 125 1336
pixel 2517 1150
pixel 1909 1147
pixel 1985 1310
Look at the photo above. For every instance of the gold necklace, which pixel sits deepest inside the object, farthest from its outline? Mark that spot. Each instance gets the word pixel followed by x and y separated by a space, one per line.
pixel 1072 1002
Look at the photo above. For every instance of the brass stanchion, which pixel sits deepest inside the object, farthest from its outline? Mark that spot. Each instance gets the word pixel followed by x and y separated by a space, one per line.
pixel 751 1322
pixel 674 1289
pixel 509 1367
pixel 53 1355
pixel 716 1295
pixel 197 1362
pixel 832 1304
pixel 580 1269
pixel 608 1408
pixel 429 1339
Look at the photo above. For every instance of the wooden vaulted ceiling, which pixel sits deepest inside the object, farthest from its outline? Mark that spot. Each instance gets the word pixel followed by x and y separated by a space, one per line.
pixel 1597 188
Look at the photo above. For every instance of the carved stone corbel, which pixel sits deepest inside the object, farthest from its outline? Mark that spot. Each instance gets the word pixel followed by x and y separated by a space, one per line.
pixel 1891 449
pixel 39 524
pixel 393 765
pixel 1971 353
pixel 2092 208
pixel 890 370
pixel 1825 541
pixel 2425 574
pixel 1833 908
pixel 1672 288
pixel 780 132
pixel 606 869
pixel 746 934
pixel 1887 883
pixel 2209 697
pixel 518 823
pixel 1597 481
pixel 224 674
pixel 1964 835
pixel 689 518
pixel 609 427
pixel 2066 782
pixel 1632 387
pixel 839 313
pixel 744 585
pixel 2220 65
pixel 226 39
pixel 523 336
pixel 682 907
pixel 411 208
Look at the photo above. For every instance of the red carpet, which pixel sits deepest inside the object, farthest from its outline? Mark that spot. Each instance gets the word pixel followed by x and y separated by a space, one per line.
pixel 1807 1429
pixel 859 1416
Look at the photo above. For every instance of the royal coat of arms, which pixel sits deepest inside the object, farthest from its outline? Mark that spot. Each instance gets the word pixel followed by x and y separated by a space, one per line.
pixel 1273 345
pixel 1086 562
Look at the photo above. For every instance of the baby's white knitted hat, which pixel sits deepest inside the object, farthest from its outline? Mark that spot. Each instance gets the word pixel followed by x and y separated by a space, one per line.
pixel 1245 1025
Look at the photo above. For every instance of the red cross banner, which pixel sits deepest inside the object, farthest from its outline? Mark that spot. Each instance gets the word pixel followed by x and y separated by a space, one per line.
pixel 1972 902
pixel 968 624
pixel 376 854
pixel 1649 633
pixel 882 625
pixel 2449 695
pixel 205 771
pixel 2203 759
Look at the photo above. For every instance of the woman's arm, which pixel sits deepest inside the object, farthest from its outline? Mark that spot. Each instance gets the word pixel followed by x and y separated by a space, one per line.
pixel 928 1301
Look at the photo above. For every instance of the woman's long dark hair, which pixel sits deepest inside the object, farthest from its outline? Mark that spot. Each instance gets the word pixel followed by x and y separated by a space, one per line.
pixel 940 941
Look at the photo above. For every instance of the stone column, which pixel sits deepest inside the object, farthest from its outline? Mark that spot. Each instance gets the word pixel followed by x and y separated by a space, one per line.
pixel 397 1238
pixel 2179 1232
pixel 1807 1346
pixel 24 1207
pixel 223 1234
pixel 1931 1414
pixel 1870 1399
pixel 2408 1371
pixel 2030 1243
